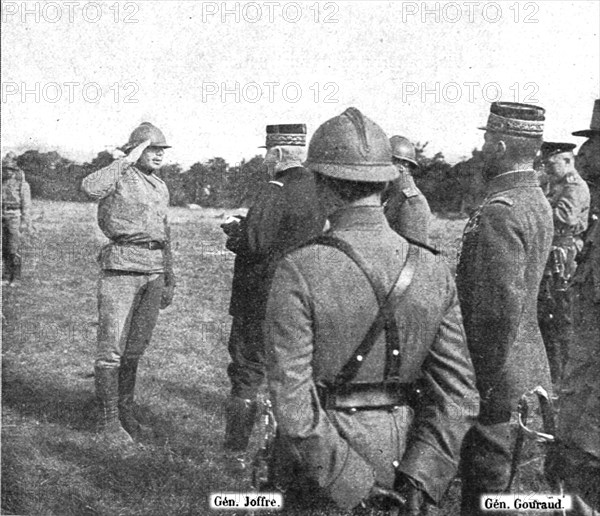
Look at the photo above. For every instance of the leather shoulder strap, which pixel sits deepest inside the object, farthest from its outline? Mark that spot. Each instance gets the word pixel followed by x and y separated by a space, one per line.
pixel 385 320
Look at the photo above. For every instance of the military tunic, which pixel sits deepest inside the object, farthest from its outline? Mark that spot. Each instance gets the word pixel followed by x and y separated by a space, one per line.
pixel 319 310
pixel 576 461
pixel 285 214
pixel 132 213
pixel 570 202
pixel 505 247
pixel 407 209
pixel 16 205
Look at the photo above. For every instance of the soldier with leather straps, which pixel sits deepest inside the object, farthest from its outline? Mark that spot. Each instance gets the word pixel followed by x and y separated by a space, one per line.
pixel 354 320
pixel 569 198
pixel 404 205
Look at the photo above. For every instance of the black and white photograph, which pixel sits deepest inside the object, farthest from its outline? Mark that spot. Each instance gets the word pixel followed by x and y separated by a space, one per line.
pixel 304 258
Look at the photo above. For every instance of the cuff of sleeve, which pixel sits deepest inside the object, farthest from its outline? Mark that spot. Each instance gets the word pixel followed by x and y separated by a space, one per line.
pixel 431 469
pixel 354 482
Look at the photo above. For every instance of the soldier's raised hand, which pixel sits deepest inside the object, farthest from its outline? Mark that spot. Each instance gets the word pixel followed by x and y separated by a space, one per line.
pixel 136 152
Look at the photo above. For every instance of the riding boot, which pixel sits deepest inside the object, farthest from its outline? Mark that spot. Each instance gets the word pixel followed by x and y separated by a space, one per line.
pixel 109 427
pixel 127 415
pixel 240 418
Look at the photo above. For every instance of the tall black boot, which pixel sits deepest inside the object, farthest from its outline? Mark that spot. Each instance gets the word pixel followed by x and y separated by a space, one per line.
pixel 127 415
pixel 240 418
pixel 109 426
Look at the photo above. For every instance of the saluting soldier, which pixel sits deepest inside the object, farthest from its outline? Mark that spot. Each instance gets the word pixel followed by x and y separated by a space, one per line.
pixel 354 319
pixel 569 198
pixel 405 207
pixel 136 278
pixel 285 213
pixel 587 162
pixel 575 459
pixel 505 247
pixel 16 218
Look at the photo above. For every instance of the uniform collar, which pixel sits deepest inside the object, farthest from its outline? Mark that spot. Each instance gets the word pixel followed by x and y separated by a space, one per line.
pixel 513 179
pixel 352 217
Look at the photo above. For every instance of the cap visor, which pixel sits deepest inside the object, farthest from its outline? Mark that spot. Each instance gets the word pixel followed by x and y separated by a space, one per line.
pixel 586 132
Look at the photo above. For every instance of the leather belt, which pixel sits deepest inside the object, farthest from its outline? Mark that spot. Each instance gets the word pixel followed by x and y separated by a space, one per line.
pixel 151 245
pixel 366 396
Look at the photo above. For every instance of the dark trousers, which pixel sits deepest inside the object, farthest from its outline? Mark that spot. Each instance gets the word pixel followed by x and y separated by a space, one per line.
pixel 485 465
pixel 11 248
pixel 246 348
pixel 555 317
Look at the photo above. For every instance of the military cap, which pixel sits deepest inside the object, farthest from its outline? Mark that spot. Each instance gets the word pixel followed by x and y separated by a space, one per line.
pixel 551 148
pixel 594 124
pixel 285 134
pixel 515 119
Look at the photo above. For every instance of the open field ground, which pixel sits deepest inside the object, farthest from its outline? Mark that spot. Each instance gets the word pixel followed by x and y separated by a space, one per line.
pixel 51 464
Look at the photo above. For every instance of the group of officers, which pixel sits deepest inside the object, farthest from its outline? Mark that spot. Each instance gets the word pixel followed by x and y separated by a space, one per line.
pixel 388 376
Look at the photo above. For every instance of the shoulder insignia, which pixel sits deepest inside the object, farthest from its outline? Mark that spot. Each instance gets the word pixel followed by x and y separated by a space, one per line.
pixel 502 200
pixel 278 183
pixel 410 192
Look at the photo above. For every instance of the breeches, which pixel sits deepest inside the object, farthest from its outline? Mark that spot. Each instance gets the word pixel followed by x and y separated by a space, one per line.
pixel 11 245
pixel 128 306
pixel 246 348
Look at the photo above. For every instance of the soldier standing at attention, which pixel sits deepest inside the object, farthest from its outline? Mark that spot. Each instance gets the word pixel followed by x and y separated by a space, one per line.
pixel 405 207
pixel 575 459
pixel 570 201
pixel 353 320
pixel 587 162
pixel 505 247
pixel 136 278
pixel 285 214
pixel 16 207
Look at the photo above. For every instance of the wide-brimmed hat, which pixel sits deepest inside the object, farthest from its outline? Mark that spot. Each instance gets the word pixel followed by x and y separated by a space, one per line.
pixel 515 119
pixel 594 124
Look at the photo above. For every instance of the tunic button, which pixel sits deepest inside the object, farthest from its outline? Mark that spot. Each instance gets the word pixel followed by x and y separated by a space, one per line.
pixel 352 410
pixel 359 358
pixel 395 352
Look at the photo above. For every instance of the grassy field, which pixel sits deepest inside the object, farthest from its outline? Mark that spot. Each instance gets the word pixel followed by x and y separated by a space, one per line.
pixel 51 464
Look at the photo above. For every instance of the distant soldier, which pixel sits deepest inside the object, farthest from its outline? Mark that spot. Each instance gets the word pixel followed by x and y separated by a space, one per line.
pixel 136 278
pixel 575 459
pixel 405 207
pixel 587 161
pixel 505 247
pixel 570 201
pixel 285 214
pixel 369 373
pixel 16 218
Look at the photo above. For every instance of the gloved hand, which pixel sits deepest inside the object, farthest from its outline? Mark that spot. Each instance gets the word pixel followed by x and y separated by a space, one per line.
pixel 136 152
pixel 383 499
pixel 233 229
pixel 409 489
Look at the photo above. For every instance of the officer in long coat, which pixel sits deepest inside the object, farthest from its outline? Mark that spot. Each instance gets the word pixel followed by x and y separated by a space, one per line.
pixel 285 213
pixel 587 161
pixel 343 364
pixel 136 278
pixel 16 207
pixel 505 247
pixel 569 198
pixel 575 460
pixel 404 205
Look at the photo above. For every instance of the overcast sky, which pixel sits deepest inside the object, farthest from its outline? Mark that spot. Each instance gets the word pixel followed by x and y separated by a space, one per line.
pixel 78 79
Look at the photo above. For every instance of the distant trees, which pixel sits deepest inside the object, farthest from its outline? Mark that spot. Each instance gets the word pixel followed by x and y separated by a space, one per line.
pixel 215 183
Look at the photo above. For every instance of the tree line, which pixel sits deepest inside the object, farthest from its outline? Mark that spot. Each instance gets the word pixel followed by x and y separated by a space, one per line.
pixel 217 184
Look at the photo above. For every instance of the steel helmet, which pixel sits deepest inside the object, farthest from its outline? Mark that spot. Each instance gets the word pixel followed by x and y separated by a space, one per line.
pixel 403 149
pixel 146 131
pixel 351 147
pixel 10 161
